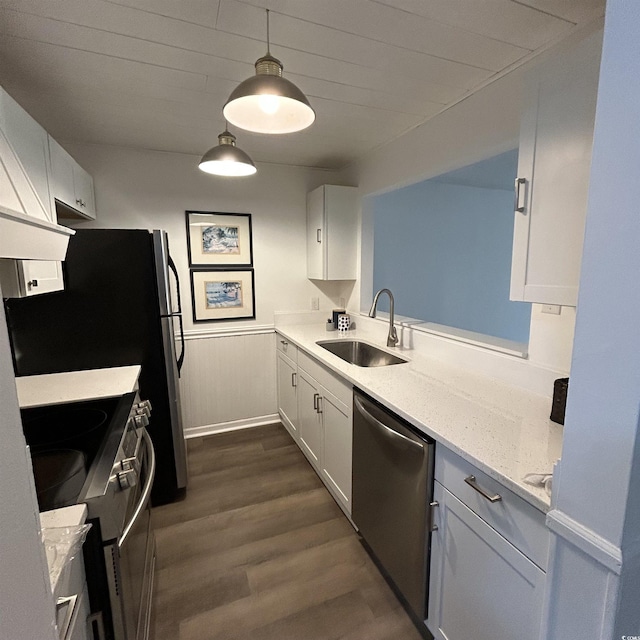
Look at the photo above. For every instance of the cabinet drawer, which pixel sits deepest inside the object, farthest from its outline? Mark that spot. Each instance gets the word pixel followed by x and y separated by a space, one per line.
pixel 514 518
pixel 286 347
pixel 335 385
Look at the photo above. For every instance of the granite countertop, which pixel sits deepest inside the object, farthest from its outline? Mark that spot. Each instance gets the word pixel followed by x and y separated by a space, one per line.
pixel 74 386
pixel 503 430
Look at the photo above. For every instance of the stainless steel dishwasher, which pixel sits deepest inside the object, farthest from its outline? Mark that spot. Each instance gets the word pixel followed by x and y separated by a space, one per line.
pixel 392 489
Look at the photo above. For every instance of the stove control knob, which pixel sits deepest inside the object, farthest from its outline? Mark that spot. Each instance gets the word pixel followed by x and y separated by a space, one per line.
pixel 143 407
pixel 141 421
pixel 127 479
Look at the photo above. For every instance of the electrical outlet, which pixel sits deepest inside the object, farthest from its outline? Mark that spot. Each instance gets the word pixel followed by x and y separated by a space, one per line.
pixel 551 308
pixel 315 303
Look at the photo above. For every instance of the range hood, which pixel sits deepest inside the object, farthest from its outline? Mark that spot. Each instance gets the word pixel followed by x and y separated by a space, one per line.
pixel 25 231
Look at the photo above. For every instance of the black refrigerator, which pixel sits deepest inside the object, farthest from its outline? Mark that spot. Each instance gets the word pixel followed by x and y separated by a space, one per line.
pixel 118 308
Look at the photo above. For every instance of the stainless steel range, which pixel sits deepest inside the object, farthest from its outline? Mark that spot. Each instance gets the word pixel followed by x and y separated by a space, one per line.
pixel 99 453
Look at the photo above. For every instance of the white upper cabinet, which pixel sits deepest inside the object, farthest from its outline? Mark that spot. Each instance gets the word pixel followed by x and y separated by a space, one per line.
pixel 71 184
pixel 29 142
pixel 332 233
pixel 553 175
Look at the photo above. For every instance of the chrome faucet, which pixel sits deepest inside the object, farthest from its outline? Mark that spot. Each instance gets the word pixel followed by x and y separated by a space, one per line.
pixel 392 338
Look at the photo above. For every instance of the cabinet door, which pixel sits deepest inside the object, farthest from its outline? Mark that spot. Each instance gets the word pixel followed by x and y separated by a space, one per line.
pixel 83 188
pixel 288 395
pixel 310 419
pixel 20 278
pixel 41 276
pixel 316 237
pixel 30 143
pixel 554 162
pixel 481 586
pixel 62 174
pixel 340 205
pixel 337 448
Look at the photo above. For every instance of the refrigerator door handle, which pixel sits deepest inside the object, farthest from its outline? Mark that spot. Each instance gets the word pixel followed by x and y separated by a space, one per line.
pixel 180 360
pixel 172 266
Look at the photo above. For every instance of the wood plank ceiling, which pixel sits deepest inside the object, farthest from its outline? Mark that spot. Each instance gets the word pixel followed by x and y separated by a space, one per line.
pixel 154 74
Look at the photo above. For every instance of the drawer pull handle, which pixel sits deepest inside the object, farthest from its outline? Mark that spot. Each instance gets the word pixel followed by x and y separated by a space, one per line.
pixel 471 481
pixel 284 343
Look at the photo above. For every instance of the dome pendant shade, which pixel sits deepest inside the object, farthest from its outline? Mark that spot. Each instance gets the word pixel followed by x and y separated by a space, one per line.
pixel 268 103
pixel 226 159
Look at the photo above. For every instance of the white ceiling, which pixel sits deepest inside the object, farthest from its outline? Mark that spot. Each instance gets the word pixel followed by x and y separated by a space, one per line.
pixel 154 74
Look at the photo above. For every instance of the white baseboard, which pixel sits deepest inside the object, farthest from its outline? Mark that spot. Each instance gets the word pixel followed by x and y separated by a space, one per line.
pixel 233 425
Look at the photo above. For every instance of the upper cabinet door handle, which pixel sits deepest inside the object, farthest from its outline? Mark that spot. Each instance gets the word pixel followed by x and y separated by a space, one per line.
pixel 319 235
pixel 519 203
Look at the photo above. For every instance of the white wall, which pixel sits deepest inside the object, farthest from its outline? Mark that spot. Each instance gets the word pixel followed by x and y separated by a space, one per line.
pixel 137 189
pixel 597 506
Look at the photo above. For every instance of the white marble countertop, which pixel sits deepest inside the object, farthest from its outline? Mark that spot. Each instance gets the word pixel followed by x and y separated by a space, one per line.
pixel 74 386
pixel 504 430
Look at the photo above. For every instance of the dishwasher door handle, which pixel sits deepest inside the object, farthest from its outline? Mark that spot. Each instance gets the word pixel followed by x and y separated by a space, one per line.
pixel 392 433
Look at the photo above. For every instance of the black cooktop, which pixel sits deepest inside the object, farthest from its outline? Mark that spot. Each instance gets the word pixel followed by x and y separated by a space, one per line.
pixel 65 440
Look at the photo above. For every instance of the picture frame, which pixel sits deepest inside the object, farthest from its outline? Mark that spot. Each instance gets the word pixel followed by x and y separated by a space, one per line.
pixel 216 239
pixel 219 295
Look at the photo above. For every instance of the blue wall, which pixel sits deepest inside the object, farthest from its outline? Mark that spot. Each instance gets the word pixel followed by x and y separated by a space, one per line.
pixel 445 252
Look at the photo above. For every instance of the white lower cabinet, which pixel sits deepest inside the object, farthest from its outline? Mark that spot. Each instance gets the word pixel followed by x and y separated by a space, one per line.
pixel 315 407
pixel 482 586
pixel 337 448
pixel 310 418
pixel 288 394
pixel 326 433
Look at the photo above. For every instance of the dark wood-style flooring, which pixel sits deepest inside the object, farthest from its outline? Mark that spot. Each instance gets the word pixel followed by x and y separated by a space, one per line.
pixel 258 550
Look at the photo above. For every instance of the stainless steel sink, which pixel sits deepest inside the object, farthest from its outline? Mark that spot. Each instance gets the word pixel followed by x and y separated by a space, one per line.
pixel 360 353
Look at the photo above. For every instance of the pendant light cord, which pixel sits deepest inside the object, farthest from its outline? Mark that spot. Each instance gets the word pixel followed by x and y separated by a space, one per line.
pixel 268 46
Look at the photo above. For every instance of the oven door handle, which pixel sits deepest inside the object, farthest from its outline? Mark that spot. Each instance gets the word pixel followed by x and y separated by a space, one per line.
pixel 146 491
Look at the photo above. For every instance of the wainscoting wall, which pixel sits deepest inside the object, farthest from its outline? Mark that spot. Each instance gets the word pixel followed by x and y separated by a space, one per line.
pixel 228 379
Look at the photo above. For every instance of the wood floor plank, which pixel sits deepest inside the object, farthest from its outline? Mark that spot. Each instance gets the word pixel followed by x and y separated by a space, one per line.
pixel 328 620
pixel 268 606
pixel 251 554
pixel 259 550
pixel 218 534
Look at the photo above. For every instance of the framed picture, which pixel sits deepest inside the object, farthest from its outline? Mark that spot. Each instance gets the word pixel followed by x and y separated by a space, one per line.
pixel 219 239
pixel 223 295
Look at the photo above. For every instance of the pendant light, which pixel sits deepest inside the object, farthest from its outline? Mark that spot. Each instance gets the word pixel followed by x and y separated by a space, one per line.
pixel 267 102
pixel 226 159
